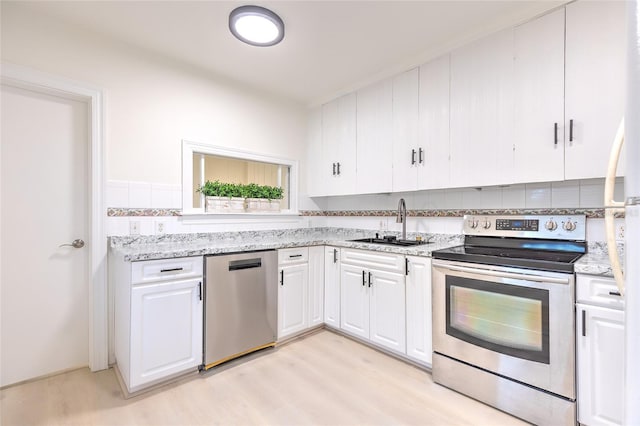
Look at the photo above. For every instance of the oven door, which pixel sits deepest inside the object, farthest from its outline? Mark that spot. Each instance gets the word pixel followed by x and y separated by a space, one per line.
pixel 513 322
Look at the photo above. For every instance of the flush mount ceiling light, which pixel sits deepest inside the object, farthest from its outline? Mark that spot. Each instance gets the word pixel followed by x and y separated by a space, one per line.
pixel 256 26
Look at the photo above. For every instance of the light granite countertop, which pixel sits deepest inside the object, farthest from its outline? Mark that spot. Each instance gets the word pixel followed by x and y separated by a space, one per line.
pixel 137 248
pixel 596 261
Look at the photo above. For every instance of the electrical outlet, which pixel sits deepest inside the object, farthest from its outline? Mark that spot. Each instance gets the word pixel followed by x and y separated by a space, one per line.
pixel 161 227
pixel 620 232
pixel 134 227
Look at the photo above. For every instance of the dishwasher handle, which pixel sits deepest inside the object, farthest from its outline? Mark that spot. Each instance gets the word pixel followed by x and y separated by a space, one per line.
pixel 237 265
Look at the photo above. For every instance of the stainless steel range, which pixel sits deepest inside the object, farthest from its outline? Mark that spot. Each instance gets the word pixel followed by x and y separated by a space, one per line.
pixel 503 314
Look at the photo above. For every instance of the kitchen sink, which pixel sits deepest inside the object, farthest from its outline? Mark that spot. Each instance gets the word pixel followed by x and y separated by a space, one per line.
pixel 391 241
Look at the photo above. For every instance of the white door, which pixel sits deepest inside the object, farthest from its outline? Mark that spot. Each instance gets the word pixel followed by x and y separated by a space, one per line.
pixel 600 358
pixel 387 310
pixel 44 190
pixel 595 85
pixel 354 301
pixel 316 286
pixel 481 130
pixel 407 155
pixel 374 148
pixel 332 286
pixel 293 299
pixel 166 329
pixel 539 100
pixel 418 289
pixel 434 171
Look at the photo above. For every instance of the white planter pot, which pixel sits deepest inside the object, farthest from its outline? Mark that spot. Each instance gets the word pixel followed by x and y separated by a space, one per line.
pixel 253 204
pixel 274 205
pixel 264 205
pixel 213 204
pixel 224 205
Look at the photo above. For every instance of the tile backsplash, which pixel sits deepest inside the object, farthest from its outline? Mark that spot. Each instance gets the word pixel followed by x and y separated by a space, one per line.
pixel 143 195
pixel 567 194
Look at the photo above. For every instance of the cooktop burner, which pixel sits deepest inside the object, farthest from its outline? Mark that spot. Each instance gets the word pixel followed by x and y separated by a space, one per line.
pixel 532 242
pixel 523 258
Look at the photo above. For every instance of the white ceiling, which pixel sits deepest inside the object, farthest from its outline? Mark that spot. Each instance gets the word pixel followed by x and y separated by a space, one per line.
pixel 330 47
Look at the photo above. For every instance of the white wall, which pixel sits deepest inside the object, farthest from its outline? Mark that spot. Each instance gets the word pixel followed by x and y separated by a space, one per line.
pixel 152 103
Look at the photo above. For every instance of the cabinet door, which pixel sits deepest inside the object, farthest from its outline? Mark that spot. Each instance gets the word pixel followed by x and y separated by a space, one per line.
pixel 339 145
pixel 595 84
pixel 332 286
pixel 316 285
pixel 433 171
pixel 374 147
pixel 354 301
pixel 166 330
pixel 293 290
pixel 418 290
pixel 387 310
pixel 317 172
pixel 482 112
pixel 405 131
pixel 538 145
pixel 600 365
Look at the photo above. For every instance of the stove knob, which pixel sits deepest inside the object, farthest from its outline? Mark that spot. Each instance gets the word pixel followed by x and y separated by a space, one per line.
pixel 551 225
pixel 486 224
pixel 473 223
pixel 569 226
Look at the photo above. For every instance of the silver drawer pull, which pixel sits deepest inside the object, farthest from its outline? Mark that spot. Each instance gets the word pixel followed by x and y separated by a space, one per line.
pixel 171 270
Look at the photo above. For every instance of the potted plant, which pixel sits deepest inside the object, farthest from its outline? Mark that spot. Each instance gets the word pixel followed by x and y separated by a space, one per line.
pixel 252 193
pixel 222 197
pixel 275 194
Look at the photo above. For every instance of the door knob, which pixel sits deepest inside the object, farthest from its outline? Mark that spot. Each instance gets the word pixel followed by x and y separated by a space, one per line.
pixel 75 244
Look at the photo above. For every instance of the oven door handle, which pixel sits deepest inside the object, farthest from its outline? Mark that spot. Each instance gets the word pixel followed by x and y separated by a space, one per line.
pixel 500 274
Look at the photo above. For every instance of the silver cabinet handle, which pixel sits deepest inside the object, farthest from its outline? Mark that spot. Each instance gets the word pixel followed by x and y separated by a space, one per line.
pixel 75 244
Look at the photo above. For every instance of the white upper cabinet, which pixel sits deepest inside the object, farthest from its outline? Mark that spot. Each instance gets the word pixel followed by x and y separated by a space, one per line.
pixel 339 145
pixel 374 148
pixel 538 145
pixel 406 149
pixel 316 169
pixel 595 83
pixel 481 119
pixel 433 167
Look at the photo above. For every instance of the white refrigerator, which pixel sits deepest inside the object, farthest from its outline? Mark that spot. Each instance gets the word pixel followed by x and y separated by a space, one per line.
pixel 629 282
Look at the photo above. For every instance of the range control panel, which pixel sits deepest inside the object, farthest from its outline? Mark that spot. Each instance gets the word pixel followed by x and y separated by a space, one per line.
pixel 560 227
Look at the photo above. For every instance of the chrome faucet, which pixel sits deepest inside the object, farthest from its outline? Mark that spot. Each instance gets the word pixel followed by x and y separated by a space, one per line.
pixel 401 217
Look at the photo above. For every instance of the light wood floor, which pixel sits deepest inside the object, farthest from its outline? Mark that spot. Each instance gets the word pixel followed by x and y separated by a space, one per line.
pixel 320 379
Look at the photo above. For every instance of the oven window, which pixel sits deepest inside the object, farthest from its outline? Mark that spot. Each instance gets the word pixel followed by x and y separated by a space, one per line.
pixel 508 319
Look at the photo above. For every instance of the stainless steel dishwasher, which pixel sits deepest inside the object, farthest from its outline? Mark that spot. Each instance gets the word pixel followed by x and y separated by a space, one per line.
pixel 241 304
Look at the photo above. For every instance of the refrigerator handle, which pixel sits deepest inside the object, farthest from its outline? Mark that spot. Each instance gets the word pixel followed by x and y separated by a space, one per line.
pixel 612 207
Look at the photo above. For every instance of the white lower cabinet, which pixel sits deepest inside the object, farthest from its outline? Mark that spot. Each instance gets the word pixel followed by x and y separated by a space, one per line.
pixel 300 289
pixel 600 352
pixel 354 300
pixel 418 297
pixel 387 326
pixel 373 298
pixel 166 329
pixel 316 285
pixel 332 287
pixel 293 289
pixel 158 319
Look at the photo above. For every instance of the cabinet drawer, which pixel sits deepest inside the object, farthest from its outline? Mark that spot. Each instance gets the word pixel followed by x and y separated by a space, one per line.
pixel 373 259
pixel 166 269
pixel 293 255
pixel 601 291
